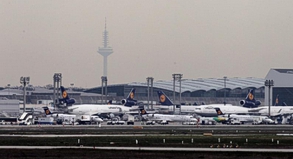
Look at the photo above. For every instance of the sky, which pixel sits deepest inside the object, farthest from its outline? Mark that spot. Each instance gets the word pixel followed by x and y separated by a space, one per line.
pixel 153 38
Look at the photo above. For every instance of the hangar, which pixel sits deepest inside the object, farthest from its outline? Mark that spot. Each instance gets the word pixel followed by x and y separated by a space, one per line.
pixel 282 87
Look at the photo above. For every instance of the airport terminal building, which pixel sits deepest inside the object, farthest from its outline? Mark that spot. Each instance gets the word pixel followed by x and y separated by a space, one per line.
pixel 193 91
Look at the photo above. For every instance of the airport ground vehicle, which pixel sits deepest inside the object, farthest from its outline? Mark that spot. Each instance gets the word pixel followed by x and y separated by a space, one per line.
pixel 234 121
pixel 189 123
pixel 150 123
pixel 130 122
pixel 46 120
pixel 164 122
pixel 113 122
pixel 26 119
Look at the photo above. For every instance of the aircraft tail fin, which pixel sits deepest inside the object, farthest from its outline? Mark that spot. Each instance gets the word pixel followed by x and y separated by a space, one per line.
pixel 219 112
pixel 65 98
pixel 250 100
pixel 47 111
pixel 129 101
pixel 109 102
pixel 164 99
pixel 143 111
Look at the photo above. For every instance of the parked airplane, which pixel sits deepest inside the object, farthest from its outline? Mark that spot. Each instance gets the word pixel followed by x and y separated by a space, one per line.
pixel 250 101
pixel 77 117
pixel 256 119
pixel 96 109
pixel 167 104
pixel 129 101
pixel 166 118
pixel 209 110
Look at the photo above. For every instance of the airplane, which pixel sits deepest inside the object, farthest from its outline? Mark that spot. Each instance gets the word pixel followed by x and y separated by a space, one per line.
pixel 79 118
pixel 256 119
pixel 250 101
pixel 248 106
pixel 209 110
pixel 50 113
pixel 166 118
pixel 167 104
pixel 129 101
pixel 96 109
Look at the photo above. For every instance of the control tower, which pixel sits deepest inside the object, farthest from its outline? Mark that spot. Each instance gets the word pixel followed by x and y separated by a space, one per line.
pixel 106 50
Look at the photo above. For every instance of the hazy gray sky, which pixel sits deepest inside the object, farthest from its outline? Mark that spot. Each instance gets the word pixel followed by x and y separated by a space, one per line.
pixel 156 38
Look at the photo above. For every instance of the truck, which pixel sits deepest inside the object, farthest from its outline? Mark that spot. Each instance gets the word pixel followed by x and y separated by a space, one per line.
pixel 116 122
pixel 25 119
pixel 66 119
pixel 84 120
pixel 46 120
pixel 234 121
pixel 150 123
pixel 130 120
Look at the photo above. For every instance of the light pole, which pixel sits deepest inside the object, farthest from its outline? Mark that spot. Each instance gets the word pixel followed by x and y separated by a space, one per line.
pixel 8 86
pixel 57 79
pixel 177 77
pixel 150 82
pixel 24 81
pixel 104 81
pixel 269 83
pixel 225 78
pixel 71 84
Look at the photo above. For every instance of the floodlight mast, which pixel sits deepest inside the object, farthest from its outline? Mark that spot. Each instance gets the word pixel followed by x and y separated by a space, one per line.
pixel 24 81
pixel 269 84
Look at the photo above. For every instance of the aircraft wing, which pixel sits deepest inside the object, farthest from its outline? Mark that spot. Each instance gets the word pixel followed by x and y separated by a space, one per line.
pixel 256 109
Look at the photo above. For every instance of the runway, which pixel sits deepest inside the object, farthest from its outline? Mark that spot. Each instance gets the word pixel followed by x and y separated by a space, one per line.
pixel 143 140
pixel 93 129
pixel 153 148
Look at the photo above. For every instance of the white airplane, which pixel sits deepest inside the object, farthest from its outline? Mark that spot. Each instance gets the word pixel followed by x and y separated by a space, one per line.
pixel 97 109
pixel 167 104
pixel 245 118
pixel 77 117
pixel 166 118
pixel 209 110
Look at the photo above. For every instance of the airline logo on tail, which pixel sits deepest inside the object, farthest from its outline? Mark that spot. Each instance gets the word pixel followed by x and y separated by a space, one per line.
pixel 250 100
pixel 131 95
pixel 250 96
pixel 164 99
pixel 64 93
pixel 277 100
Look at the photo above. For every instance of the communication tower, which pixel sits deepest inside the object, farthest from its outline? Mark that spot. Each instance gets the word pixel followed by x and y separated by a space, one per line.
pixel 106 50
